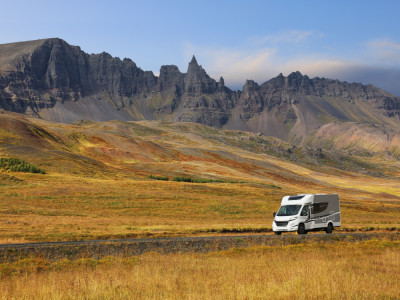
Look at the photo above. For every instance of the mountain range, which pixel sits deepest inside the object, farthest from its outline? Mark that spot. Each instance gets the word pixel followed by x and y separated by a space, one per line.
pixel 58 82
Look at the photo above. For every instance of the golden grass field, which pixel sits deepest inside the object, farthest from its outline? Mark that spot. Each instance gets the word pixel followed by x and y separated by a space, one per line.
pixel 362 270
pixel 97 186
pixel 51 208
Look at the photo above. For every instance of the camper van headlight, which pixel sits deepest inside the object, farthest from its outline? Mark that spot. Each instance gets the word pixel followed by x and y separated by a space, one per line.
pixel 292 219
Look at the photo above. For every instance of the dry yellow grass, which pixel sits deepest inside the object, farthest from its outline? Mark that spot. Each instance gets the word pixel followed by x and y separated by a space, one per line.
pixel 365 270
pixel 54 207
pixel 97 187
pixel 96 183
pixel 94 208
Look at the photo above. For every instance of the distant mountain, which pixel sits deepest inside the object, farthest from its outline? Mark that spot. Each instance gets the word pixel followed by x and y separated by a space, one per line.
pixel 56 81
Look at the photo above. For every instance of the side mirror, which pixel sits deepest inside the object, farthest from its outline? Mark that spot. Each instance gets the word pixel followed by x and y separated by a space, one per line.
pixel 274 214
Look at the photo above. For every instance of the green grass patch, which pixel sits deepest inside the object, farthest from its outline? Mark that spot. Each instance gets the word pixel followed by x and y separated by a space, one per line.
pixel 158 177
pixel 182 179
pixel 18 165
pixel 203 180
pixel 195 180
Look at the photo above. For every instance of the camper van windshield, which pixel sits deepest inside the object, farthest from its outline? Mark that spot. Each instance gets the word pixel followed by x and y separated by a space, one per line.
pixel 288 210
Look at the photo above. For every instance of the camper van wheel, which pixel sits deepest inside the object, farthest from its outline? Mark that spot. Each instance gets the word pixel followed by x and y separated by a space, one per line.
pixel 329 229
pixel 301 229
pixel 278 232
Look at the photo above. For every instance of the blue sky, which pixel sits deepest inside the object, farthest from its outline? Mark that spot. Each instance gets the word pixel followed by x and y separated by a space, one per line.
pixel 346 40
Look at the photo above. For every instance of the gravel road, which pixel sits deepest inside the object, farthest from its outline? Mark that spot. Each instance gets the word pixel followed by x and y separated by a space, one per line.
pixel 131 247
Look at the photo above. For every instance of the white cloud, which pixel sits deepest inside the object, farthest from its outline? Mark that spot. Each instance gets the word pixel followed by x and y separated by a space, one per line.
pixel 384 50
pixel 384 44
pixel 292 36
pixel 240 64
pixel 317 66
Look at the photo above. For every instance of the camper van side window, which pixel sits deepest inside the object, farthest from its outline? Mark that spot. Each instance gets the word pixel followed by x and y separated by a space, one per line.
pixel 317 208
pixel 305 211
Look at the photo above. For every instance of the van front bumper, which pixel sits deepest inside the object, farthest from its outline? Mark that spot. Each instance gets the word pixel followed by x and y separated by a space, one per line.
pixel 289 227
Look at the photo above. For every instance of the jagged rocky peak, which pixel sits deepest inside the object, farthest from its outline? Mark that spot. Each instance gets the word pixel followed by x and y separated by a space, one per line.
pixel 295 75
pixel 250 93
pixel 296 82
pixel 293 82
pixel 193 61
pixel 221 88
pixel 195 68
pixel 204 100
pixel 250 86
pixel 129 62
pixel 277 82
pixel 197 80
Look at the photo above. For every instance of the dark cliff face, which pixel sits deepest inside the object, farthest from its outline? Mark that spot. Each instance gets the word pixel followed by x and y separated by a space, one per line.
pixel 59 72
pixel 170 78
pixel 250 101
pixel 118 77
pixel 43 74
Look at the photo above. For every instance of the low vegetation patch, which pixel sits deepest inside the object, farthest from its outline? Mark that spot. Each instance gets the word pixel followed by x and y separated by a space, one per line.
pixel 18 165
pixel 195 180
pixel 182 179
pixel 158 177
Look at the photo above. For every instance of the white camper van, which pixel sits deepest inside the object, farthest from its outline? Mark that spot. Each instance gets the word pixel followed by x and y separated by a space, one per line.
pixel 303 213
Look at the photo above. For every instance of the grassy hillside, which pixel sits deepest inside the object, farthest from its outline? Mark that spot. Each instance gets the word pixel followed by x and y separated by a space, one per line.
pixel 100 180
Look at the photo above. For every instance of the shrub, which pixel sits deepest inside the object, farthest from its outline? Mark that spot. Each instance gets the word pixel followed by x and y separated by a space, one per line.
pixel 13 164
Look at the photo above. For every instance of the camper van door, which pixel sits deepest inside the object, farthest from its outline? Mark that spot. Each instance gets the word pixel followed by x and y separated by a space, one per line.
pixel 305 216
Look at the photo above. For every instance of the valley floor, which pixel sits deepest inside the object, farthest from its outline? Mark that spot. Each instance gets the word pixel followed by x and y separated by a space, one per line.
pixel 107 180
pixel 63 208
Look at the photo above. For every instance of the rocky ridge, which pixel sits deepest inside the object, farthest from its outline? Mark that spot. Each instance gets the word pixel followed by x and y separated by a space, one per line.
pixel 54 80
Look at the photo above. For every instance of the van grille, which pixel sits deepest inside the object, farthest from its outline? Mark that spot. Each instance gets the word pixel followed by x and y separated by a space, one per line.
pixel 281 224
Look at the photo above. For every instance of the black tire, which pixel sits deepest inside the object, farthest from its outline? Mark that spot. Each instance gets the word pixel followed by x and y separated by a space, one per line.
pixel 329 229
pixel 301 229
pixel 278 232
